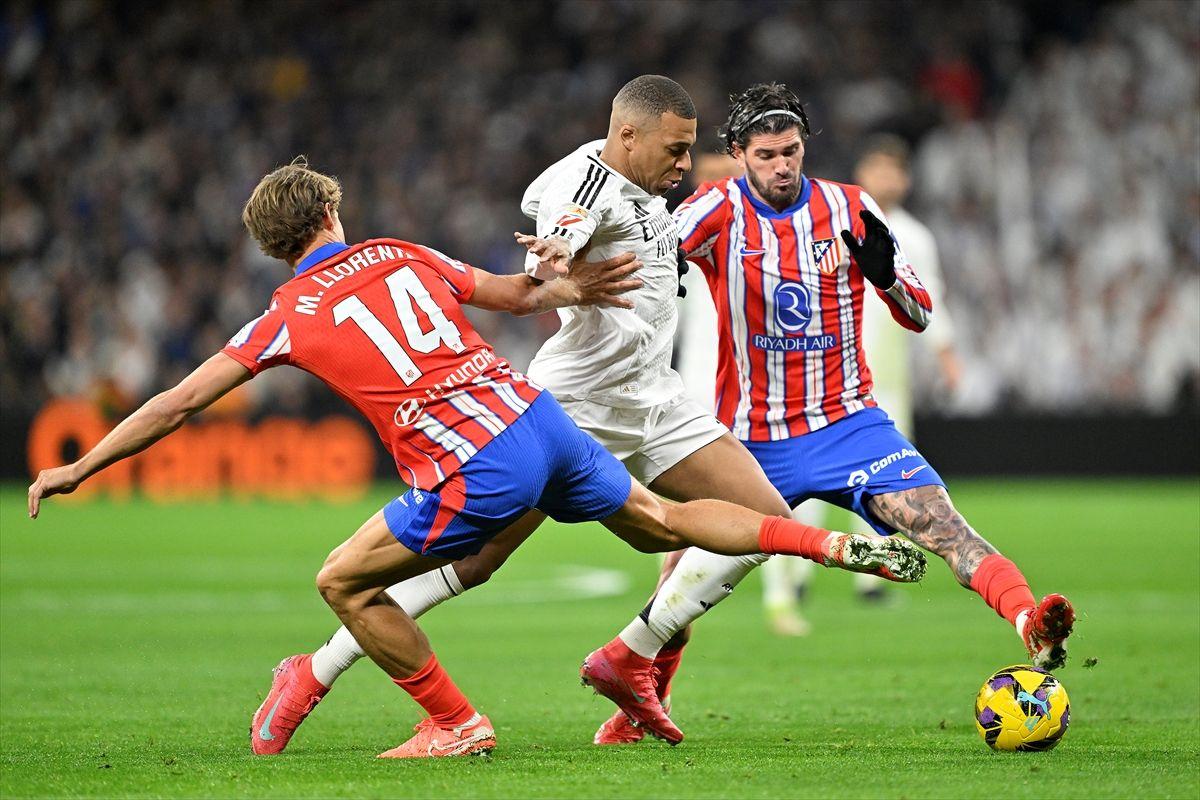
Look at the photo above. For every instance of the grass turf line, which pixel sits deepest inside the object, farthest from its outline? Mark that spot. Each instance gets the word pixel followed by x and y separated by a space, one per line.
pixel 136 640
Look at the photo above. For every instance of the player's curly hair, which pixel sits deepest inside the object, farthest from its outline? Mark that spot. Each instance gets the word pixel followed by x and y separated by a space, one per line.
pixel 763 108
pixel 285 210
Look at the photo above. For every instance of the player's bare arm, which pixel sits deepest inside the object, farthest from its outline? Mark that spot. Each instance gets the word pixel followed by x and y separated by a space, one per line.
pixel 589 283
pixel 158 417
pixel 928 517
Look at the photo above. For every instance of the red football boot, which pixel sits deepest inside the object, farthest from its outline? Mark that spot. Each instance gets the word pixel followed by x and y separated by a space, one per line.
pixel 618 729
pixel 475 737
pixel 627 679
pixel 294 694
pixel 1046 631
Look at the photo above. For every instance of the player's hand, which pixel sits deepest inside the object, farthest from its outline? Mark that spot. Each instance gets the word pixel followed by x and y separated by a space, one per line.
pixel 552 253
pixel 876 255
pixel 599 282
pixel 60 480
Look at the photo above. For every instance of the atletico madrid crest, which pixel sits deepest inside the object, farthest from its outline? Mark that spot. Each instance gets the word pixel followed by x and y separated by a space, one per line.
pixel 829 254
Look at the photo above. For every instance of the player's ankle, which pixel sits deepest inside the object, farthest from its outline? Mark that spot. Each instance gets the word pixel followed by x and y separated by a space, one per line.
pixel 639 639
pixel 307 678
pixel 1002 586
pixel 778 535
pixel 434 690
pixel 335 657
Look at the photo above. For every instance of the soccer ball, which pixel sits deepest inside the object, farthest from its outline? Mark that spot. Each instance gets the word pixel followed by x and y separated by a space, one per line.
pixel 1022 708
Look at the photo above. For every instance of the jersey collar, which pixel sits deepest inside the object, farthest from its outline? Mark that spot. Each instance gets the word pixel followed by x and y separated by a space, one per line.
pixel 765 210
pixel 322 253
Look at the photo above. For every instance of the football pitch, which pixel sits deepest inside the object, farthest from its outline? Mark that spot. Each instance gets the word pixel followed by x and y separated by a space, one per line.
pixel 137 639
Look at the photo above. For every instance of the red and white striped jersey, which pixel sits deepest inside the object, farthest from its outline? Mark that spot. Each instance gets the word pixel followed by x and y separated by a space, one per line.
pixel 381 324
pixel 789 304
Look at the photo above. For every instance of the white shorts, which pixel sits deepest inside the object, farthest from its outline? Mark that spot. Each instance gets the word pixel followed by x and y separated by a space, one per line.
pixel 648 441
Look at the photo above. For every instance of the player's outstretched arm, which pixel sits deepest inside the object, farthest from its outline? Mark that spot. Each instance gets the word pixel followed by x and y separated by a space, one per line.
pixel 161 415
pixel 590 283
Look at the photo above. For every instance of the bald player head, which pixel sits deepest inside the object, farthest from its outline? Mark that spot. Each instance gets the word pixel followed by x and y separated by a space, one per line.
pixel 650 133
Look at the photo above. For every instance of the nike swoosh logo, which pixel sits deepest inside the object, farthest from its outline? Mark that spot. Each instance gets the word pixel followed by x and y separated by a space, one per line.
pixel 264 731
pixel 478 736
pixel 637 697
pixel 908 473
pixel 746 252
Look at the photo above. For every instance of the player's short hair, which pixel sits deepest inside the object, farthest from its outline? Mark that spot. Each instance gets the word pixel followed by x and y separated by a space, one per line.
pixel 655 95
pixel 285 210
pixel 886 144
pixel 763 108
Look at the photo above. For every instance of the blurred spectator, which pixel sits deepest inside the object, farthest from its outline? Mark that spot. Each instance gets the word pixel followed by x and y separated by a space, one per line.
pixel 1058 163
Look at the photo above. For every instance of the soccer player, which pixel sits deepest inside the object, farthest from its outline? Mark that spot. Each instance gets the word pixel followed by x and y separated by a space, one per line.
pixel 611 371
pixel 882 170
pixel 787 259
pixel 381 323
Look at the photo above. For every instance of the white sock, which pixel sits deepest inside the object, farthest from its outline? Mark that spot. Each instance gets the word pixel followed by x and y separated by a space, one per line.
pixel 418 595
pixel 415 595
pixel 701 580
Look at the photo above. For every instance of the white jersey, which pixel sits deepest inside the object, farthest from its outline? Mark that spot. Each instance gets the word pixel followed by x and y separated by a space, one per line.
pixel 613 356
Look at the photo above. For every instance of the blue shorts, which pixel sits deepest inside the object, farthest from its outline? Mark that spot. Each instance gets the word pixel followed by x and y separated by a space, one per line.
pixel 846 463
pixel 541 461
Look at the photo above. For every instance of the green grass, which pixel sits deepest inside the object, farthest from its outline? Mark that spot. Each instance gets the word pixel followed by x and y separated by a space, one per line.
pixel 136 640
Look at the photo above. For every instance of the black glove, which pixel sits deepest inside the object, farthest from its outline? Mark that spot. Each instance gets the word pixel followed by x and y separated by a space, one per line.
pixel 681 265
pixel 876 256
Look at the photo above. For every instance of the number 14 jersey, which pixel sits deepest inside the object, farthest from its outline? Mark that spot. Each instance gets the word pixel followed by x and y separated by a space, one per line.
pixel 381 324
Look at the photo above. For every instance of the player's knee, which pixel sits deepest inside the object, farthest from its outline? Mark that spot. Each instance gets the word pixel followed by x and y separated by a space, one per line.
pixel 668 530
pixel 658 542
pixel 333 587
pixel 772 505
pixel 327 585
pixel 474 572
pixel 651 536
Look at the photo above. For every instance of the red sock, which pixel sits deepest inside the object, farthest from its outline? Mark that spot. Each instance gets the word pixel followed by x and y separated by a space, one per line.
pixel 435 692
pixel 1003 587
pixel 666 664
pixel 788 537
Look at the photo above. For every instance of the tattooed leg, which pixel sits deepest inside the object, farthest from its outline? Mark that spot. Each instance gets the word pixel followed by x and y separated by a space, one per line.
pixel 926 515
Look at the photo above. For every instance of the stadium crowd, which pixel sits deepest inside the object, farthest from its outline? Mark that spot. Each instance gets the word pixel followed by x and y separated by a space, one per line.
pixel 1056 157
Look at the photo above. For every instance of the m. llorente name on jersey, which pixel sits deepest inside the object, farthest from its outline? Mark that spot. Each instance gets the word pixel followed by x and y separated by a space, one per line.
pixel 368 256
pixel 659 228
